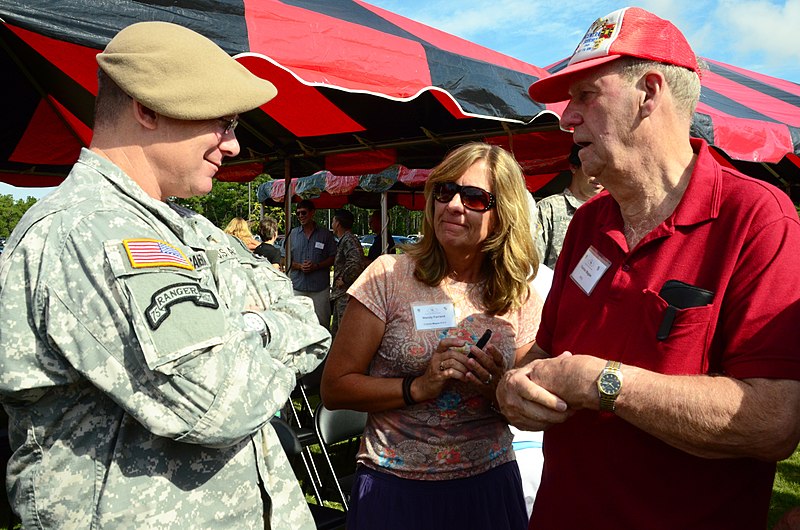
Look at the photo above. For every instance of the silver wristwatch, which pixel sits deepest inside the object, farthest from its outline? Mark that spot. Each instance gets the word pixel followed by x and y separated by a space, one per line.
pixel 253 321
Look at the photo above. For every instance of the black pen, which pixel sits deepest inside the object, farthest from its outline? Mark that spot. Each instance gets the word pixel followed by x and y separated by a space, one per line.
pixel 482 341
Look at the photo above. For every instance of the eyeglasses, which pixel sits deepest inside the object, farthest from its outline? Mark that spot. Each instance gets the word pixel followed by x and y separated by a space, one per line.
pixel 472 197
pixel 230 124
pixel 302 213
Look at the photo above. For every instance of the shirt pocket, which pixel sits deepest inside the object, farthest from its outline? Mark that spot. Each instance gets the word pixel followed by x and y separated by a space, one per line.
pixel 685 349
pixel 173 311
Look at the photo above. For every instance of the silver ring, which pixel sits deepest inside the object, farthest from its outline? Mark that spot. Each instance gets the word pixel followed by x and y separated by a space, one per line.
pixel 488 381
pixel 441 366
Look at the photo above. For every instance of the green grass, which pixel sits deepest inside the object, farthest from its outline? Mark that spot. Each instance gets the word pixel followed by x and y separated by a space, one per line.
pixel 786 489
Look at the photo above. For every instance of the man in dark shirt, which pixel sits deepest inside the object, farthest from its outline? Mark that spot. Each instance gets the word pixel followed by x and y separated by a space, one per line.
pixel 268 230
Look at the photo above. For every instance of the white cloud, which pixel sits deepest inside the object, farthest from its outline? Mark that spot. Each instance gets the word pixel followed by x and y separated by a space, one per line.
pixel 754 34
pixel 765 29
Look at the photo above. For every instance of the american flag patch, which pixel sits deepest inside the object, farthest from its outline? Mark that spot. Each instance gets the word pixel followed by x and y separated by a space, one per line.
pixel 154 253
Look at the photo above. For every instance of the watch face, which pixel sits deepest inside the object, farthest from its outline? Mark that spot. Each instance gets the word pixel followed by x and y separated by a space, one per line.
pixel 609 384
pixel 254 322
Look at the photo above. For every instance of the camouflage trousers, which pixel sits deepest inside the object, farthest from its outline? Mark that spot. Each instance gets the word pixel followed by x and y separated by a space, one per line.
pixel 339 306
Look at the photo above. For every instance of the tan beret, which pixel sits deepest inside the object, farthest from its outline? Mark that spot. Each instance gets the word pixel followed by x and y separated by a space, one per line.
pixel 180 73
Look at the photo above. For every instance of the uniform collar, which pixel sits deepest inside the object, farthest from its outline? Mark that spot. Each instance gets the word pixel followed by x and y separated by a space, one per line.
pixel 572 200
pixel 128 187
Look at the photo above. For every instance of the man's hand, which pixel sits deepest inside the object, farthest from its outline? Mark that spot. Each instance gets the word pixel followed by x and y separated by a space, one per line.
pixel 571 377
pixel 528 406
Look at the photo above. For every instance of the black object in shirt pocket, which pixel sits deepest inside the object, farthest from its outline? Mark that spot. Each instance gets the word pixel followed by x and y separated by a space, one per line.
pixel 680 295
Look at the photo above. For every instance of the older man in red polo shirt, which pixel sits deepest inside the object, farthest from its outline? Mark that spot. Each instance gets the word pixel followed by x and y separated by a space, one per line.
pixel 667 363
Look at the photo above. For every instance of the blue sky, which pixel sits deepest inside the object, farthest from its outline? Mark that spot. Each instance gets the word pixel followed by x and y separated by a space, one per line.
pixel 759 35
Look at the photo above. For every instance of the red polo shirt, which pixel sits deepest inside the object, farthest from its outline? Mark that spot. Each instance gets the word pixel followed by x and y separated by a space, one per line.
pixel 732 235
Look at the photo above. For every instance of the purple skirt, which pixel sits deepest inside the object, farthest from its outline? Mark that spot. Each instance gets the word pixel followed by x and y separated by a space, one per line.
pixel 490 501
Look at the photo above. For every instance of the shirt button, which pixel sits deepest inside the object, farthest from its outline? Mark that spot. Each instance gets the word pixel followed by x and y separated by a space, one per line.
pixel 626 267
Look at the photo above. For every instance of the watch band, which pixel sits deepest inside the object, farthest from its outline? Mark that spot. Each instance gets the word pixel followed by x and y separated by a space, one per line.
pixel 607 403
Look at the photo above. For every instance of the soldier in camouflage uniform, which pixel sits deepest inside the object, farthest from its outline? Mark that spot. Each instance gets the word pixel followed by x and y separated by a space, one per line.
pixel 143 351
pixel 347 266
pixel 556 211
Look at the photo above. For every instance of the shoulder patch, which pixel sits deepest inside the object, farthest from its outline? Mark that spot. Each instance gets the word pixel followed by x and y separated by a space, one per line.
pixel 170 295
pixel 154 253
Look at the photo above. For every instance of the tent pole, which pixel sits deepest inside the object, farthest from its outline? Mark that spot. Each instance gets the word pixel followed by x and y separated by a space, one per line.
pixel 384 235
pixel 786 186
pixel 287 205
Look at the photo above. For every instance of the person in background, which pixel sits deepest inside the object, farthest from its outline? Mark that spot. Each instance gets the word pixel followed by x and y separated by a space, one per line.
pixel 347 266
pixel 556 211
pixel 666 369
pixel 239 229
pixel 381 234
pixel 140 374
pixel 435 453
pixel 268 230
pixel 313 250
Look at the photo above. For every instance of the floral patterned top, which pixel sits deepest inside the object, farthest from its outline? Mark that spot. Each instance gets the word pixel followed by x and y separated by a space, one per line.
pixel 456 435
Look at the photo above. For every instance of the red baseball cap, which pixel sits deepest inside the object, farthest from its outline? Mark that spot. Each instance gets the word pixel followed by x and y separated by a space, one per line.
pixel 627 32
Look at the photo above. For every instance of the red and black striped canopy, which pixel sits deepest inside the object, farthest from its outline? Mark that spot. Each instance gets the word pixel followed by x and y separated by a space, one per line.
pixel 752 119
pixel 359 87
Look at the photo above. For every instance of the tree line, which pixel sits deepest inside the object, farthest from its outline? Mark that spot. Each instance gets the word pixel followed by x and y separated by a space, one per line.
pixel 234 199
pixel 11 211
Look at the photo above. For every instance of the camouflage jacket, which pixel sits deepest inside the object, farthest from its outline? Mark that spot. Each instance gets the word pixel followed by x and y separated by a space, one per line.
pixel 138 397
pixel 348 265
pixel 554 214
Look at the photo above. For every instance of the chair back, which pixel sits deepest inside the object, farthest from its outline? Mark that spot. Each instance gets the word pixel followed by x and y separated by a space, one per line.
pixel 338 425
pixel 288 438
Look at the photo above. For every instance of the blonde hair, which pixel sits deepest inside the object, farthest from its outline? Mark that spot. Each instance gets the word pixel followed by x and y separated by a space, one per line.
pixel 239 228
pixel 510 258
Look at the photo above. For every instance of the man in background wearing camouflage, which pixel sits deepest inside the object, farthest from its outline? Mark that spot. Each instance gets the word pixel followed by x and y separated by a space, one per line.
pixel 347 266
pixel 142 351
pixel 556 211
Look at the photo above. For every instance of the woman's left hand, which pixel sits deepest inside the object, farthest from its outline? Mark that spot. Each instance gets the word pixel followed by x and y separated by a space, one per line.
pixel 486 368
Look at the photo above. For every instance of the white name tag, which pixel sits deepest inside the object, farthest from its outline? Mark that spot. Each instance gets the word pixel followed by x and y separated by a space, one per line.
pixel 320 245
pixel 589 270
pixel 434 316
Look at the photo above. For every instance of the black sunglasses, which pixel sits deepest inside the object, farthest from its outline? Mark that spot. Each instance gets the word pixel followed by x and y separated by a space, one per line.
pixel 472 197
pixel 230 124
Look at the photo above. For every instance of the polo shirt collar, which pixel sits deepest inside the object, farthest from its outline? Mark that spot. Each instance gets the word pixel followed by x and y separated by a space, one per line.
pixel 702 198
pixel 700 202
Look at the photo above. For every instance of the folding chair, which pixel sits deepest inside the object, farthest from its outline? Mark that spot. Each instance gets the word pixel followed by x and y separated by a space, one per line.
pixel 325 518
pixel 307 386
pixel 334 426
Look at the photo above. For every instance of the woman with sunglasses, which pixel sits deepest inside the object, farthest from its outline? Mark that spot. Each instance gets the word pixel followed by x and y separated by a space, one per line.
pixel 435 453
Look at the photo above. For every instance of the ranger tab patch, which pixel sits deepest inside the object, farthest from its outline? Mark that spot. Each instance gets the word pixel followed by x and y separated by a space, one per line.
pixel 154 253
pixel 163 299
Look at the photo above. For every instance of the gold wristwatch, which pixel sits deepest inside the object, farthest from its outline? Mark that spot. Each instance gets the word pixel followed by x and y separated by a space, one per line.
pixel 609 385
